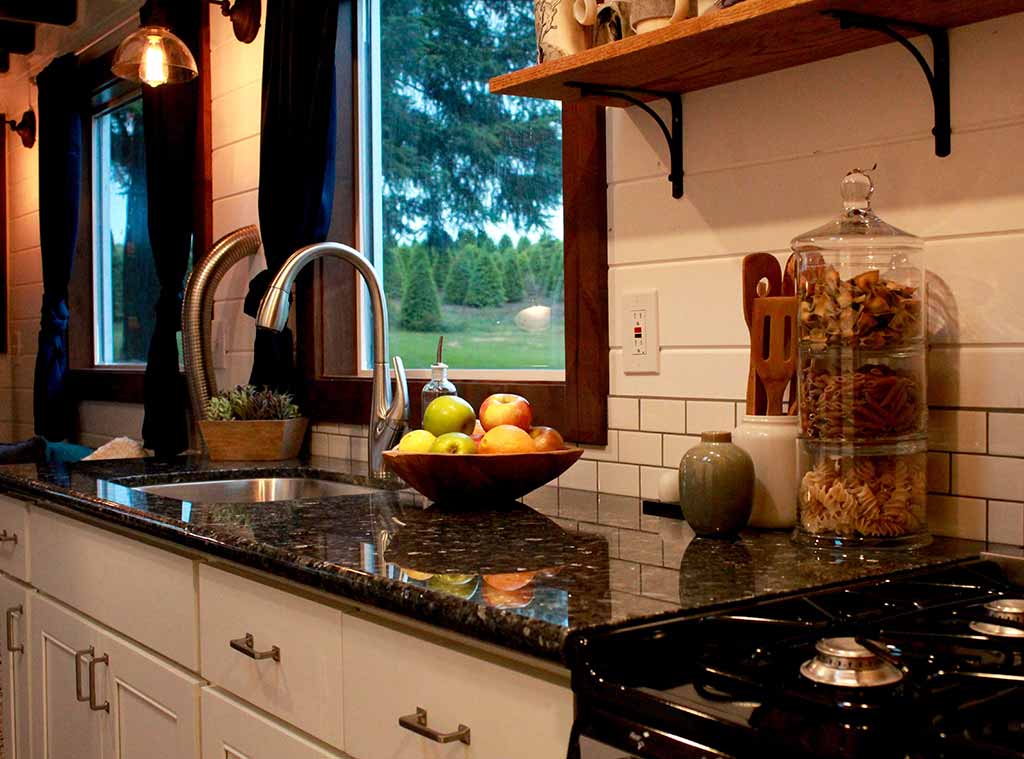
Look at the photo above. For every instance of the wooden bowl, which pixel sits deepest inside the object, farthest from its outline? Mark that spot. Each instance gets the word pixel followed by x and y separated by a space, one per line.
pixel 479 477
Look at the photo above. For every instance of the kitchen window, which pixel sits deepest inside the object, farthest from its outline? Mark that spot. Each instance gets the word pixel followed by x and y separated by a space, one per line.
pixel 114 286
pixel 458 196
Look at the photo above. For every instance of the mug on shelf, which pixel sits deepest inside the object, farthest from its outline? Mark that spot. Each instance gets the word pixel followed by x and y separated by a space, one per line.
pixel 558 32
pixel 608 20
pixel 648 15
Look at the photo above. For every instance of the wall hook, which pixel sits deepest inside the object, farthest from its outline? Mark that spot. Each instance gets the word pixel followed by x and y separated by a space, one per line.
pixel 937 73
pixel 673 133
pixel 26 128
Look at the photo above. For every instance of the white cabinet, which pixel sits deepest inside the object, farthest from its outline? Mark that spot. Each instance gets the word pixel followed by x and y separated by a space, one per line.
pixel 98 696
pixel 15 660
pixel 243 623
pixel 388 674
pixel 144 593
pixel 13 537
pixel 63 727
pixel 232 730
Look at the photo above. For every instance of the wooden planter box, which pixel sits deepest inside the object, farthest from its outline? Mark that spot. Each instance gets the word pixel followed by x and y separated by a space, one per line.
pixel 254 441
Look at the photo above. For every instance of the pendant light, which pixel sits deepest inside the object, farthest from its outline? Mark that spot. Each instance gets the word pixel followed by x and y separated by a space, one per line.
pixel 154 56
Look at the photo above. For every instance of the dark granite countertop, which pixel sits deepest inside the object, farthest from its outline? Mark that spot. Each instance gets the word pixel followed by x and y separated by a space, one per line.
pixel 527 577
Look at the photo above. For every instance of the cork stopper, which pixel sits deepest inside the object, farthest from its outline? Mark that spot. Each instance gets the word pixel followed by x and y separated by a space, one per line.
pixel 716 436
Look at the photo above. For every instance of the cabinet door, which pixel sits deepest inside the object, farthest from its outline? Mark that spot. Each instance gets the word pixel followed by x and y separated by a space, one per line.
pixel 232 730
pixel 62 726
pixel 153 705
pixel 14 657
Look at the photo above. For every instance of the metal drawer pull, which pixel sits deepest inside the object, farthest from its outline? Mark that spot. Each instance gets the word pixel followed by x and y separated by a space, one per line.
pixel 105 706
pixel 418 724
pixel 247 646
pixel 10 629
pixel 78 673
pixel 5 538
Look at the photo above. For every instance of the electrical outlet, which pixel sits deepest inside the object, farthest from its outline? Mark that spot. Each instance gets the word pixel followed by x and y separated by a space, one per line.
pixel 641 346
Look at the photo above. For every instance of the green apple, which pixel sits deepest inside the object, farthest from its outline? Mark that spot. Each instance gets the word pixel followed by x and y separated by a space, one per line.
pixel 454 442
pixel 460 589
pixel 449 413
pixel 417 441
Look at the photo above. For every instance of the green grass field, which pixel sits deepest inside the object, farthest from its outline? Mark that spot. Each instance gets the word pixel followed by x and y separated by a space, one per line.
pixel 482 338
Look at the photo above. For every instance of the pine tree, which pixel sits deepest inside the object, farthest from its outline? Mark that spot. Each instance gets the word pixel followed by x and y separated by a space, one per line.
pixel 484 242
pixel 505 244
pixel 393 278
pixel 513 276
pixel 421 308
pixel 456 284
pixel 485 284
pixel 556 281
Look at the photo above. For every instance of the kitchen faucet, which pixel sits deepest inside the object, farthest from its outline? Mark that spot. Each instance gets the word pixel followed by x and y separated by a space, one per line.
pixel 388 415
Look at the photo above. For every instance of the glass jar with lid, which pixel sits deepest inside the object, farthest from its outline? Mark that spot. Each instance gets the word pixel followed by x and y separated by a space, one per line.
pixel 861 379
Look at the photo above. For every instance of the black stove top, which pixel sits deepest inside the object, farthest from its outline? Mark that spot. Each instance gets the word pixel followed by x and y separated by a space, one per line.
pixel 924 665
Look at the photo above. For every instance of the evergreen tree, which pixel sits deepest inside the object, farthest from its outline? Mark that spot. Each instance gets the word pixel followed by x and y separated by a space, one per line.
pixel 453 155
pixel 440 262
pixel 456 285
pixel 393 278
pixel 484 242
pixel 485 282
pixel 421 308
pixel 556 280
pixel 513 276
pixel 505 244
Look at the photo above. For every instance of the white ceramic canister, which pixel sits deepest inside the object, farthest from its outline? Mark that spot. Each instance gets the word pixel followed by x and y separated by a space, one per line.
pixel 771 443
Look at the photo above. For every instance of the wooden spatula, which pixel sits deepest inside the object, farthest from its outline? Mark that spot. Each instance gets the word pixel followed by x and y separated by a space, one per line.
pixel 773 347
pixel 758 267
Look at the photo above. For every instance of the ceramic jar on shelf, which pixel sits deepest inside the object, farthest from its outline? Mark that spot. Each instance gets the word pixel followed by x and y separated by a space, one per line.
pixel 862 381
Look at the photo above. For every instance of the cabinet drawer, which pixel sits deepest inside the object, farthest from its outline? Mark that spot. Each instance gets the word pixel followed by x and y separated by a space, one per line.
pixel 388 674
pixel 146 593
pixel 13 537
pixel 303 685
pixel 232 730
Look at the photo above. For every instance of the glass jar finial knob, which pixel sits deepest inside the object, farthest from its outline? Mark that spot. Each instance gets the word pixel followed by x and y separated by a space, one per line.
pixel 856 188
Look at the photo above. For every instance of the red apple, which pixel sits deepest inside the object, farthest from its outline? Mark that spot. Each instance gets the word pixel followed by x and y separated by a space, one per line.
pixel 506 408
pixel 507 438
pixel 547 439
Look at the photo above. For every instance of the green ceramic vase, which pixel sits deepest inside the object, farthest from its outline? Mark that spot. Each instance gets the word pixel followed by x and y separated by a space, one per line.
pixel 716 486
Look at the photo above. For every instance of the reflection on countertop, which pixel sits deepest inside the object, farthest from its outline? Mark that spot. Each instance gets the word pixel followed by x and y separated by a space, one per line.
pixel 524 576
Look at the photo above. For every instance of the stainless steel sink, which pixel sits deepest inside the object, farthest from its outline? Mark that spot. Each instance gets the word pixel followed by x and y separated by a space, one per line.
pixel 257 490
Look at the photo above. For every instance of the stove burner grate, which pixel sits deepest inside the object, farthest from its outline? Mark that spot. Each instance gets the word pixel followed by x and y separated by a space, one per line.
pixel 1006 610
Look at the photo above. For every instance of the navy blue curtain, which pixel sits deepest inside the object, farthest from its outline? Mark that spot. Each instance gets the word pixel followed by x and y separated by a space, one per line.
pixel 169 116
pixel 296 156
pixel 60 176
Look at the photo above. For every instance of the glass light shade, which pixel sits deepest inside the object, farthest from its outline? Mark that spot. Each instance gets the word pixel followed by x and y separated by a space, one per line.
pixel 154 56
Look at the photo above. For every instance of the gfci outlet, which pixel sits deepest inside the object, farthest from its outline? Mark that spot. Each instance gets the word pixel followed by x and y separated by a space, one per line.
pixel 641 344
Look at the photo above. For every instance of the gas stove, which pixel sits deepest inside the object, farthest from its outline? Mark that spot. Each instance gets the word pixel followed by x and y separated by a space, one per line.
pixel 928 664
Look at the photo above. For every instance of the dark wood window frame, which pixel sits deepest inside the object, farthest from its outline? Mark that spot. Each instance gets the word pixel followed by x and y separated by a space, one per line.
pixel 87 380
pixel 577 406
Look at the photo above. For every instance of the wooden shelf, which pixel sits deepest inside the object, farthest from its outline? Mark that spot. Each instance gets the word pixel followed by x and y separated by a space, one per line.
pixel 752 38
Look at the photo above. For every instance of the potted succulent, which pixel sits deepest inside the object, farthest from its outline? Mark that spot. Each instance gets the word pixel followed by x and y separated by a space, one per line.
pixel 247 424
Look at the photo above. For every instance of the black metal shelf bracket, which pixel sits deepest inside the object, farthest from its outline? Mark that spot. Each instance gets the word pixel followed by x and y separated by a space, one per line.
pixel 937 73
pixel 673 134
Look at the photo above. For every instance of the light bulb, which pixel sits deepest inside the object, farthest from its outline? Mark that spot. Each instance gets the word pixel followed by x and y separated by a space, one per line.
pixel 153 67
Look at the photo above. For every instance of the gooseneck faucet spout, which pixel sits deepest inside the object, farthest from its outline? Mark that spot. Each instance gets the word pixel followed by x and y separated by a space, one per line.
pixel 389 414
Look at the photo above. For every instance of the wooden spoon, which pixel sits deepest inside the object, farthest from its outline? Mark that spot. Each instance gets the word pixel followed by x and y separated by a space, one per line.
pixel 757 267
pixel 773 347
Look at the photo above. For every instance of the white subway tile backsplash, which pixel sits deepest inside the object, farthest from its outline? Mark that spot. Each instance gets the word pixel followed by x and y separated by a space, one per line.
pixel 237 115
pixel 660 415
pixel 702 416
pixel 318 443
pixel 608 452
pixel 957 431
pixel 976 376
pixel 938 472
pixel 623 413
pixel 715 373
pixel 958 517
pixel 580 505
pixel 988 477
pixel 1006 434
pixel 340 447
pixel 359 448
pixel 640 448
pixel 621 479
pixel 643 547
pixel 1006 523
pixel 581 475
pixel 674 446
pixel 236 167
